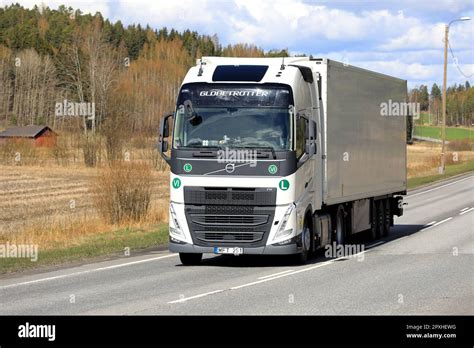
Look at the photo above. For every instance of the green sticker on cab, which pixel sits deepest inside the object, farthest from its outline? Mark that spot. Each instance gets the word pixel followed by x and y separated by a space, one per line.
pixel 284 185
pixel 176 183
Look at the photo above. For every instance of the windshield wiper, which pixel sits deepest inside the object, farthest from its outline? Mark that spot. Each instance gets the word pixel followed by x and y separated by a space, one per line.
pixel 263 148
pixel 202 150
pixel 191 147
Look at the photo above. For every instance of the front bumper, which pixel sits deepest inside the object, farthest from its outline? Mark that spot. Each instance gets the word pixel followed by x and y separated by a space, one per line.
pixel 287 249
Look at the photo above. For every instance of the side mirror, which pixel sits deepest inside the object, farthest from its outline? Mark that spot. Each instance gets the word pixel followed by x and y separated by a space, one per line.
pixel 163 145
pixel 311 141
pixel 166 126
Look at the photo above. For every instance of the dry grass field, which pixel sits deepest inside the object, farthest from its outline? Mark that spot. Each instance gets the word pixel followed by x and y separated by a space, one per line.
pixel 424 158
pixel 51 205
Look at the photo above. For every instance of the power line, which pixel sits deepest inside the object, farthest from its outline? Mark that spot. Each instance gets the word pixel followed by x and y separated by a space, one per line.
pixel 455 60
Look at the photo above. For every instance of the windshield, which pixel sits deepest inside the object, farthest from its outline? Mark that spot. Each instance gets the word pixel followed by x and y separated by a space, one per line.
pixel 233 116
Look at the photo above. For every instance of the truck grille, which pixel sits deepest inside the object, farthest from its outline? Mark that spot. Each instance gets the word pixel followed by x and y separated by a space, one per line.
pixel 237 220
pixel 226 237
pixel 231 196
pixel 218 217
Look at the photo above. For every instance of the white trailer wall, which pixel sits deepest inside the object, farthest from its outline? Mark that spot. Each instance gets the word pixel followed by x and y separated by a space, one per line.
pixel 365 151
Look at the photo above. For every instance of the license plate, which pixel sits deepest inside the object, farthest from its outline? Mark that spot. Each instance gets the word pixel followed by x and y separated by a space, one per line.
pixel 235 251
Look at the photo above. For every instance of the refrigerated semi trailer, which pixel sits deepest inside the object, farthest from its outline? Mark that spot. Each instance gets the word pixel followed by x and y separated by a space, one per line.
pixel 282 156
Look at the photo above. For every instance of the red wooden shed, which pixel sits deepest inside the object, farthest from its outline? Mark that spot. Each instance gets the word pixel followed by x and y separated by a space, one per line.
pixel 37 135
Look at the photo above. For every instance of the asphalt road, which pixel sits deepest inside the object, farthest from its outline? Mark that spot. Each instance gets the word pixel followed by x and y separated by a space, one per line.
pixel 425 266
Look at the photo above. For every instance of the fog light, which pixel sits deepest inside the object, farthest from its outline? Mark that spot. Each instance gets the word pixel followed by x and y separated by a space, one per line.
pixel 176 232
pixel 177 241
pixel 286 242
pixel 284 233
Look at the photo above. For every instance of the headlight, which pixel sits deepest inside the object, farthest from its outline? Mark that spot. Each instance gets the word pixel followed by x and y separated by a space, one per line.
pixel 175 228
pixel 281 232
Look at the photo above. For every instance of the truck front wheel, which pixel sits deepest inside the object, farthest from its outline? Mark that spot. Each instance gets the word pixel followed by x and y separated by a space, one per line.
pixel 189 259
pixel 306 244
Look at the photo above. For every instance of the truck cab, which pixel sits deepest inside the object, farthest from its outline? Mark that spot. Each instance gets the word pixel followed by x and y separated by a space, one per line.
pixel 243 139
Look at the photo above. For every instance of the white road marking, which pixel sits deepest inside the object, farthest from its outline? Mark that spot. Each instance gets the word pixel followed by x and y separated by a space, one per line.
pixel 436 224
pixel 367 248
pixel 86 271
pixel 437 188
pixel 280 274
pixel 285 275
pixel 275 274
pixel 442 221
pixel 375 244
pixel 181 300
pixel 307 268
pixel 426 226
pixel 399 239
pixel 466 211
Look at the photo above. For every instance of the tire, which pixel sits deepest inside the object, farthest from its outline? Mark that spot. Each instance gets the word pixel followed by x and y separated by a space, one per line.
pixel 340 231
pixel 189 259
pixel 380 218
pixel 306 244
pixel 387 218
pixel 373 221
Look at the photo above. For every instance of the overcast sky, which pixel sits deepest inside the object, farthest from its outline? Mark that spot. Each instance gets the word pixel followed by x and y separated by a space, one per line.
pixel 402 38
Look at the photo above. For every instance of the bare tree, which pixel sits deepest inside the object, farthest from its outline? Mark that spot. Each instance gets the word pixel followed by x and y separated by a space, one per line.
pixel 34 88
pixel 6 86
pixel 71 61
pixel 102 66
pixel 89 67
pixel 152 81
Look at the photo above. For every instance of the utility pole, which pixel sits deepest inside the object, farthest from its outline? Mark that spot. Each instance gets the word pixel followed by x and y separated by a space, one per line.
pixel 429 109
pixel 443 121
pixel 443 124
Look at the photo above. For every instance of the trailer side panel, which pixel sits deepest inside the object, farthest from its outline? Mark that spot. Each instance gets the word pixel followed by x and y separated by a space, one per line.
pixel 366 151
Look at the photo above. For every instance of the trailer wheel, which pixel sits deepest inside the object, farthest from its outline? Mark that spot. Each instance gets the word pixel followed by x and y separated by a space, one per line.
pixel 387 218
pixel 373 221
pixel 340 232
pixel 190 259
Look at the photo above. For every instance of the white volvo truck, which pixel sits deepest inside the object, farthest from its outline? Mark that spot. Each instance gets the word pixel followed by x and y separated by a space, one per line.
pixel 282 156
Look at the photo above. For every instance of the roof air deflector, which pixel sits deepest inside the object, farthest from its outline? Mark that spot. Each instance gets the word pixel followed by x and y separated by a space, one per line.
pixel 243 73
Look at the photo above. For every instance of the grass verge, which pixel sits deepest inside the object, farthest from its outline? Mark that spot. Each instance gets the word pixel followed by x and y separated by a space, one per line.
pixel 452 133
pixel 96 245
pixel 451 170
